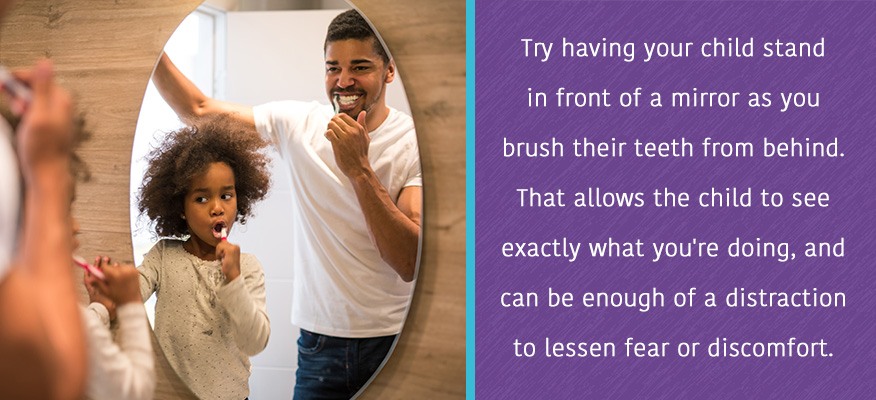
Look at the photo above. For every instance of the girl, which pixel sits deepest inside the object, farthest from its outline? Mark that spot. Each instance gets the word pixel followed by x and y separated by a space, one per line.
pixel 121 363
pixel 210 315
pixel 124 368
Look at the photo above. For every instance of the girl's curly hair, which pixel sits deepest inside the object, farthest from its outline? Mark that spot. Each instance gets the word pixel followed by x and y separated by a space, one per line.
pixel 187 153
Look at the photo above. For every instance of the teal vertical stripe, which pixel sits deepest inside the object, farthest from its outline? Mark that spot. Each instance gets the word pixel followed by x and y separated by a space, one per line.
pixel 470 199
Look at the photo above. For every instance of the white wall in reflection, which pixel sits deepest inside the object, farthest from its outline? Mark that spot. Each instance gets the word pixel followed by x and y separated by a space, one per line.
pixel 193 48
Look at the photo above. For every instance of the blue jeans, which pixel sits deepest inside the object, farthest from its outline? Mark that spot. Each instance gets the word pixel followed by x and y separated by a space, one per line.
pixel 336 368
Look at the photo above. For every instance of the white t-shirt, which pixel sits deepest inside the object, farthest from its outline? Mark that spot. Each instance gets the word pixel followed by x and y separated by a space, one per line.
pixel 342 287
pixel 10 197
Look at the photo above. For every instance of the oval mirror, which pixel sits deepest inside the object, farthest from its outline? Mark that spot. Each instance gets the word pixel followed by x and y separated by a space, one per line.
pixel 258 52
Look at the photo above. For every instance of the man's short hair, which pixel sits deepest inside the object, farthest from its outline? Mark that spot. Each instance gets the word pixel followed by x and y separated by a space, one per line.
pixel 351 25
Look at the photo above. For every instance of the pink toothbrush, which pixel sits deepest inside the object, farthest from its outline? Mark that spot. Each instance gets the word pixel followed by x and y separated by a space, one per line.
pixel 88 267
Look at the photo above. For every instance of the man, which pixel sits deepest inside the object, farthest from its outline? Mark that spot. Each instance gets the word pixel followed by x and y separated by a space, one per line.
pixel 357 182
pixel 42 347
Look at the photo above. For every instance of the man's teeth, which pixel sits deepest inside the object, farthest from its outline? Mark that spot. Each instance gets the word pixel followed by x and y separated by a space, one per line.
pixel 347 100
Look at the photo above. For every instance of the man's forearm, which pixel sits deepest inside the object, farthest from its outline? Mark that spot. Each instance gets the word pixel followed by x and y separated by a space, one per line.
pixel 48 193
pixel 396 235
pixel 178 91
pixel 45 258
pixel 189 102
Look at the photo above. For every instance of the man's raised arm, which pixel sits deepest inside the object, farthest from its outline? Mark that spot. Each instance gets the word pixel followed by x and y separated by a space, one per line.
pixel 42 342
pixel 187 100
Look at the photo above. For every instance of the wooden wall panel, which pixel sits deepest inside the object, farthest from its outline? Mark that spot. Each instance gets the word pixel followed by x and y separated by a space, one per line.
pixel 105 51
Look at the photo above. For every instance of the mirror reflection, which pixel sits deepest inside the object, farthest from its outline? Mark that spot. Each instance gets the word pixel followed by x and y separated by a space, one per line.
pixel 334 244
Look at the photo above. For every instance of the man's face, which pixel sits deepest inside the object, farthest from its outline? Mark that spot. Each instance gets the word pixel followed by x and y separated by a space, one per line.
pixel 357 75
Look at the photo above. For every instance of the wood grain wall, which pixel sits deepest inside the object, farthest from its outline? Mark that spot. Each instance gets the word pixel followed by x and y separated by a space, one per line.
pixel 104 52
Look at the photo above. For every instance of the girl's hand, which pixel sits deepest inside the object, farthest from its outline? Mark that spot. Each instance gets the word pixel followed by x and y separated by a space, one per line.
pixel 122 284
pixel 95 296
pixel 229 256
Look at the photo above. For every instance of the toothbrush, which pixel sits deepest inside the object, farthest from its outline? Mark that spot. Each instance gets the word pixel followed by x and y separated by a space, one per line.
pixel 335 103
pixel 14 86
pixel 88 267
pixel 224 234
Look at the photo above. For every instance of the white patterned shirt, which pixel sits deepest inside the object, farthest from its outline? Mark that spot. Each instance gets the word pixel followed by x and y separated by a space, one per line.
pixel 206 328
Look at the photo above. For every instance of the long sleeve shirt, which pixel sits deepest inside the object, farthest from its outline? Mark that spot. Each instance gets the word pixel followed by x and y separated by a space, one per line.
pixel 207 329
pixel 123 369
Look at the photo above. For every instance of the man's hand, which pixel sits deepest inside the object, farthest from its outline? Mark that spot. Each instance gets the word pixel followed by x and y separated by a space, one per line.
pixel 45 135
pixel 229 254
pixel 350 142
pixel 122 283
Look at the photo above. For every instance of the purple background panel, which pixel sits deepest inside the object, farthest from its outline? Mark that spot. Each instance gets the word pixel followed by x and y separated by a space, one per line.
pixel 845 80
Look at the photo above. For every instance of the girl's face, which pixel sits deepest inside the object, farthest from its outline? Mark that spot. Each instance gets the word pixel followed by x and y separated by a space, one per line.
pixel 211 203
